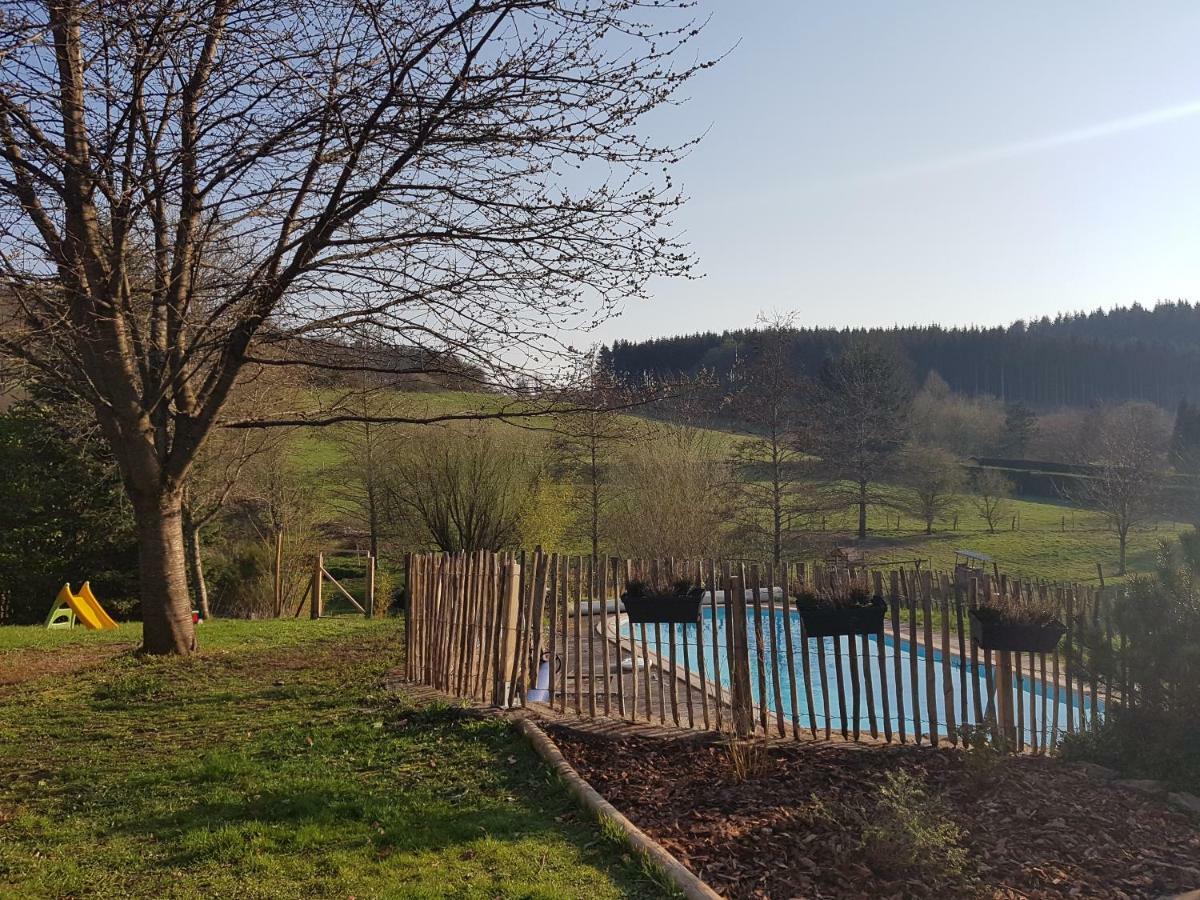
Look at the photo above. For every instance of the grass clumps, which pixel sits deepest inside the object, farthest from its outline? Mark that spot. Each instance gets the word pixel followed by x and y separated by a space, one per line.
pixel 836 589
pixel 1038 609
pixel 747 759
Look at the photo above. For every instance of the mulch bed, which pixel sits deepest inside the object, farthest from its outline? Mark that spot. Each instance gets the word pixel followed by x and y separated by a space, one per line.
pixel 1030 827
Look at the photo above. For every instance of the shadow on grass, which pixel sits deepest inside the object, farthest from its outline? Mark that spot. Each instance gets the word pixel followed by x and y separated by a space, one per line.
pixel 436 781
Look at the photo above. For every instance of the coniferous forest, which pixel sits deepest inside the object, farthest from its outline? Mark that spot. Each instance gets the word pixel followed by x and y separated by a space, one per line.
pixel 1128 353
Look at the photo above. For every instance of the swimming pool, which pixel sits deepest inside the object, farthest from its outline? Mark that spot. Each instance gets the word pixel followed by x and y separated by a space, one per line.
pixel 1037 696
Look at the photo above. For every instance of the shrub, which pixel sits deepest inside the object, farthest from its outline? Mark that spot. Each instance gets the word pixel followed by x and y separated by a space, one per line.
pixel 747 759
pixel 1156 730
pixel 1142 743
pixel 63 516
pixel 905 832
pixel 1030 609
pixel 660 587
pixel 839 592
pixel 910 832
pixel 241 581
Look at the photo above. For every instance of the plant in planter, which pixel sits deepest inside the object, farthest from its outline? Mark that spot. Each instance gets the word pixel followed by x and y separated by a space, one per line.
pixel 662 601
pixel 840 610
pixel 1024 626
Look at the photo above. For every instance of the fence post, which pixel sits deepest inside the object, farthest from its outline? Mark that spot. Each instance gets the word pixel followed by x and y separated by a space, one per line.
pixel 316 607
pixel 1004 701
pixel 510 608
pixel 370 604
pixel 409 643
pixel 277 575
pixel 739 659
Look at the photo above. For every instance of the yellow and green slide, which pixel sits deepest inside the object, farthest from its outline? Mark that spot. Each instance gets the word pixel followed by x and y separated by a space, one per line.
pixel 84 606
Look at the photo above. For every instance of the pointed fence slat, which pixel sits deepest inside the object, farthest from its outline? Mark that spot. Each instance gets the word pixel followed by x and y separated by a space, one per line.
pixel 897 658
pixel 716 654
pixel 947 672
pixel 914 660
pixel 759 649
pixel 882 662
pixel 789 649
pixel 931 694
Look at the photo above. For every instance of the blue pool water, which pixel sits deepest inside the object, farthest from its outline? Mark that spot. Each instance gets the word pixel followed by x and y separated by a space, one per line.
pixel 1034 691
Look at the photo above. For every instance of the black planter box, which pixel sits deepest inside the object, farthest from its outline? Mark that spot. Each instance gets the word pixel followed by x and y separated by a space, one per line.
pixel 822 621
pixel 674 609
pixel 1021 638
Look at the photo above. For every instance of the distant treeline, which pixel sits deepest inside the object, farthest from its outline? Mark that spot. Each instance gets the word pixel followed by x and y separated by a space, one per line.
pixel 1130 353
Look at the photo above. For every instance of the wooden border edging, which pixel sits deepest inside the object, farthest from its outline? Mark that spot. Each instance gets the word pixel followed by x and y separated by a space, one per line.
pixel 683 877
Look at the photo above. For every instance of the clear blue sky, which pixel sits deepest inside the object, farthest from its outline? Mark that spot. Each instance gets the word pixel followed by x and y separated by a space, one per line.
pixel 871 163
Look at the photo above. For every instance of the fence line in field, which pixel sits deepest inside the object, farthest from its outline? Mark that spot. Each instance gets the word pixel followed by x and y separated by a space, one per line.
pixel 522 628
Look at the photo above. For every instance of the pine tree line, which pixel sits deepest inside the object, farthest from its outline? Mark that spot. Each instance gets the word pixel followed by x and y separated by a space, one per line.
pixel 1124 354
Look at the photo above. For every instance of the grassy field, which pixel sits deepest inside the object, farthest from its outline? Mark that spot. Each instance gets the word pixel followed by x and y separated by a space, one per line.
pixel 1054 541
pixel 1051 540
pixel 273 764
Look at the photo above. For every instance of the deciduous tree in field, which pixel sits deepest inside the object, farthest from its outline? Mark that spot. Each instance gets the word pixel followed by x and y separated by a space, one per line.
pixel 1127 451
pixel 935 478
pixel 466 488
pixel 589 441
pixel 990 497
pixel 768 464
pixel 189 186
pixel 671 500
pixel 860 422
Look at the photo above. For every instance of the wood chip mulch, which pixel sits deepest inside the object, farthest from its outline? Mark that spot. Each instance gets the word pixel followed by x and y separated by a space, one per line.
pixel 1030 827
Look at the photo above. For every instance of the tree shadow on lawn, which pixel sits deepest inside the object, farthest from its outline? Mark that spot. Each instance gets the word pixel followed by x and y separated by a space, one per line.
pixel 411 802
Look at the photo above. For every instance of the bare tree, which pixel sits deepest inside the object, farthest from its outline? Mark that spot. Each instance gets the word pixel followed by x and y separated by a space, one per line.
pixel 768 464
pixel 935 478
pixel 589 439
pixel 859 423
pixel 671 500
pixel 191 185
pixel 217 472
pixel 1127 455
pixel 990 497
pixel 357 485
pixel 463 488
pixel 273 521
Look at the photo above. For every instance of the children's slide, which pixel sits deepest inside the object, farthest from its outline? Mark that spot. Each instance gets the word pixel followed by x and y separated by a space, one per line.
pixel 85 606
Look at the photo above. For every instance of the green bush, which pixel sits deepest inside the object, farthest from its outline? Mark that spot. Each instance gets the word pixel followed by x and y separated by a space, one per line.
pixel 912 832
pixel 241 581
pixel 1155 732
pixel 902 832
pixel 1142 743
pixel 63 516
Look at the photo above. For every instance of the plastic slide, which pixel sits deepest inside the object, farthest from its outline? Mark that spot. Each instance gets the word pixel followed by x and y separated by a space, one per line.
pixel 86 607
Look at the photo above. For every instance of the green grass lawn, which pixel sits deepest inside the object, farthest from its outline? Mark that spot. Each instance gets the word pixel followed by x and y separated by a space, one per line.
pixel 1038 547
pixel 274 764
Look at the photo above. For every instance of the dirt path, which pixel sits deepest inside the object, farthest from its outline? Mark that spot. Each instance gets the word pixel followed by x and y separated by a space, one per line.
pixel 19 666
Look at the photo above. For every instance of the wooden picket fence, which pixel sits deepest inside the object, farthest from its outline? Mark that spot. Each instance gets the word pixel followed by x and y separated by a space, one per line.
pixel 519 629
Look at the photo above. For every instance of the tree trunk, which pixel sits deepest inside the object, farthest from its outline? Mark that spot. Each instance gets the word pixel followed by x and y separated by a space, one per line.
pixel 1122 536
pixel 191 536
pixel 862 510
pixel 162 567
pixel 373 518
